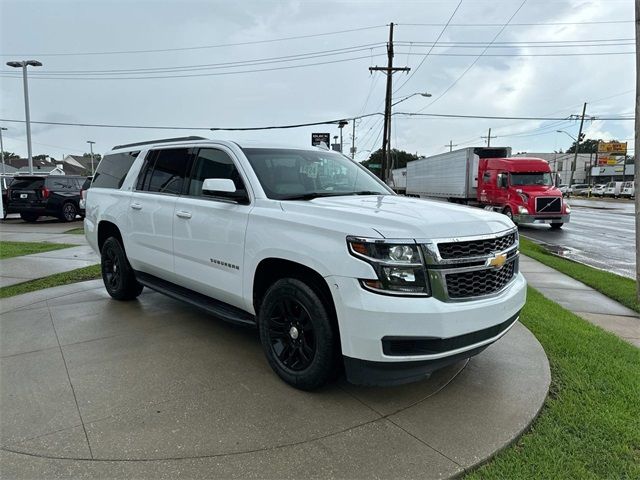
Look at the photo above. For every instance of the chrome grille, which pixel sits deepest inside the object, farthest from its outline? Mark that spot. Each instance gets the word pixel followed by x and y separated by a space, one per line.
pixel 462 269
pixel 479 282
pixel 475 248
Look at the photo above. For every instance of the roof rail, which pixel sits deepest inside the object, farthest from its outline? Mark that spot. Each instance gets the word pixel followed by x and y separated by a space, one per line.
pixel 163 140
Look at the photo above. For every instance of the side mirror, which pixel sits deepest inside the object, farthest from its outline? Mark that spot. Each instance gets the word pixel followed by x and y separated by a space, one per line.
pixel 211 186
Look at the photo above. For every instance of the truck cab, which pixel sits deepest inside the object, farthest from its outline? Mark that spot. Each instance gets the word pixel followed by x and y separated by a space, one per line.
pixel 523 189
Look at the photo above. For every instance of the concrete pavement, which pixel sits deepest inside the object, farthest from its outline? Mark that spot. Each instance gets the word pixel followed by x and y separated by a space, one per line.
pixel 29 267
pixel 582 300
pixel 155 388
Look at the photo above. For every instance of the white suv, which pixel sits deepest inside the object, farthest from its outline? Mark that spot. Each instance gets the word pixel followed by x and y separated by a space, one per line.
pixel 331 266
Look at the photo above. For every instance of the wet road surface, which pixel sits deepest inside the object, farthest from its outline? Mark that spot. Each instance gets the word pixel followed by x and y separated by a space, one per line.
pixel 600 233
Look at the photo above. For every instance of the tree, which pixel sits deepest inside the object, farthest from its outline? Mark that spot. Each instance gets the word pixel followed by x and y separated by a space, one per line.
pixel 586 146
pixel 8 155
pixel 399 160
pixel 96 157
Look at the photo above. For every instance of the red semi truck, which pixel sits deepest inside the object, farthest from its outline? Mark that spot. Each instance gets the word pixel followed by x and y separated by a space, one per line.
pixel 522 188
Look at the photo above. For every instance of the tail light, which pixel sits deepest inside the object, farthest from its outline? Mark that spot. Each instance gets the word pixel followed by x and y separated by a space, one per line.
pixel 45 192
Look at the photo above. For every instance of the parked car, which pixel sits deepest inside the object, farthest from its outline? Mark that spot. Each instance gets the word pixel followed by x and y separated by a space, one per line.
pixel 598 190
pixel 83 195
pixel 307 245
pixel 628 190
pixel 579 189
pixel 565 189
pixel 5 181
pixel 613 189
pixel 35 196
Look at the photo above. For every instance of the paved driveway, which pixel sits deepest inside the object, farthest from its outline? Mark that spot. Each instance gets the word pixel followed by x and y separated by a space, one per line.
pixel 157 388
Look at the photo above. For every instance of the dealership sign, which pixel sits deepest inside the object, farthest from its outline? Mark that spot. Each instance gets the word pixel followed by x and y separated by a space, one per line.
pixel 320 138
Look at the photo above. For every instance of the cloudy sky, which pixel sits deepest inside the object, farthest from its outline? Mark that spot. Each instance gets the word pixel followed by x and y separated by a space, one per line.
pixel 250 63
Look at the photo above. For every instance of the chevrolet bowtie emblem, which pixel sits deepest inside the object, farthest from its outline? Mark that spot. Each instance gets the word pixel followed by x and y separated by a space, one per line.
pixel 497 261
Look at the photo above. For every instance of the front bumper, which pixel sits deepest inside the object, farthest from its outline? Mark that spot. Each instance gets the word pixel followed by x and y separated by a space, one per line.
pixel 366 319
pixel 528 218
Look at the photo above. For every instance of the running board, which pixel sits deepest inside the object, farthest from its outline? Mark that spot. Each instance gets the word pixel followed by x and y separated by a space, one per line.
pixel 216 308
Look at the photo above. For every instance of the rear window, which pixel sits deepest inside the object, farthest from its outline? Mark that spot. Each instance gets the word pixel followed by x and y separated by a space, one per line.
pixel 113 169
pixel 27 183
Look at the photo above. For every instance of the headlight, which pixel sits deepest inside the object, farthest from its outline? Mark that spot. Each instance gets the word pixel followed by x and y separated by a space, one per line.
pixel 567 208
pixel 523 210
pixel 399 266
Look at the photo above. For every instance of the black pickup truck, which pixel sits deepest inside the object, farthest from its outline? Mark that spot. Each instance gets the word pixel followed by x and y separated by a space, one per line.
pixel 35 196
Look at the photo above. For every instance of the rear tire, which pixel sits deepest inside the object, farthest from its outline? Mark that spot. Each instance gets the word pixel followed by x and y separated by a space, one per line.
pixel 297 335
pixel 117 274
pixel 556 226
pixel 29 217
pixel 69 212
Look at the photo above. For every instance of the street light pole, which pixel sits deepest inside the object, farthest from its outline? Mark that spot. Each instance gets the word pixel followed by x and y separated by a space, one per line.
pixel 2 149
pixel 91 148
pixel 24 64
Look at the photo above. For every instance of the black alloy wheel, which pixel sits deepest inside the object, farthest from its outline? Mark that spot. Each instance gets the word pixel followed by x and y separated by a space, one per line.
pixel 69 212
pixel 291 334
pixel 298 335
pixel 117 275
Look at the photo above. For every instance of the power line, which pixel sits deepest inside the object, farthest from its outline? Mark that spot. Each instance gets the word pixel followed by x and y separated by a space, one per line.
pixel 576 54
pixel 529 24
pixel 495 37
pixel 206 66
pixel 201 47
pixel 595 40
pixel 324 122
pixel 520 45
pixel 149 77
pixel 432 47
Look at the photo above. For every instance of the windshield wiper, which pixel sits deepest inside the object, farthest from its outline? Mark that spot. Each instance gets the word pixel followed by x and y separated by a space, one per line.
pixel 308 196
pixel 366 192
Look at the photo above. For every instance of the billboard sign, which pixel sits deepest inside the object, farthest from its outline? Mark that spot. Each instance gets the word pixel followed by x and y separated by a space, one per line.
pixel 619 148
pixel 319 138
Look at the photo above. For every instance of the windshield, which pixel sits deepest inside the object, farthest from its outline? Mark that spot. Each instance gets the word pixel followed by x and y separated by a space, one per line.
pixel 287 174
pixel 531 178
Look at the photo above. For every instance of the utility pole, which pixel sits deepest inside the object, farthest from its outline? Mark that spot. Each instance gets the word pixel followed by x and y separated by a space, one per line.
pixel 489 137
pixel 636 151
pixel 91 147
pixel 386 135
pixel 450 145
pixel 353 139
pixel 575 156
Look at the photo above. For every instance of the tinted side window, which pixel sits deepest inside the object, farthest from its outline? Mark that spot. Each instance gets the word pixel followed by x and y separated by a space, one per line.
pixel 57 183
pixel 113 169
pixel 165 171
pixel 212 163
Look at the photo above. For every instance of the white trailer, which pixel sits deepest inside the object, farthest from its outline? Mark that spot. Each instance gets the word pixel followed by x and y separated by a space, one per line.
pixel 398 179
pixel 451 175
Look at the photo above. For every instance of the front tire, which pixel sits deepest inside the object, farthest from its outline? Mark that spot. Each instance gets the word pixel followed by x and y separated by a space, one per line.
pixel 507 211
pixel 117 274
pixel 297 335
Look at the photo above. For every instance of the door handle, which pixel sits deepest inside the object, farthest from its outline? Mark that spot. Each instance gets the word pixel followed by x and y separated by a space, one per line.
pixel 136 206
pixel 183 214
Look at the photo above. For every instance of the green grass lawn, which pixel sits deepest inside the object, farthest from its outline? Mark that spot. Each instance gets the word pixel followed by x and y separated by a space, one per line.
pixel 589 427
pixel 16 249
pixel 621 289
pixel 73 276
pixel 76 231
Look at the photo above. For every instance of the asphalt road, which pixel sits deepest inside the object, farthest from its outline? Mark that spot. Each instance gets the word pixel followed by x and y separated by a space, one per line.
pixel 600 233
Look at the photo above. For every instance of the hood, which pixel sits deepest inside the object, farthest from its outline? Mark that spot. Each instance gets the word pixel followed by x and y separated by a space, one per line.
pixel 401 217
pixel 539 190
